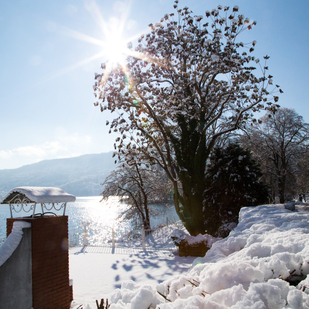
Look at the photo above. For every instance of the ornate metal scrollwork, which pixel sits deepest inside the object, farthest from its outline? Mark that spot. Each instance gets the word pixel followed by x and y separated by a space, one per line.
pixel 53 206
pixel 62 206
pixel 22 203
pixel 20 200
pixel 18 207
pixel 44 205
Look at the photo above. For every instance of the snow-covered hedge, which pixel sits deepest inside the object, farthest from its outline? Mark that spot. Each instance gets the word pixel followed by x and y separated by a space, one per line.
pixel 251 268
pixel 192 245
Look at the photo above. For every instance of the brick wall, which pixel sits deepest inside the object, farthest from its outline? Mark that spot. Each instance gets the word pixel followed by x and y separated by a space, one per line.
pixel 50 261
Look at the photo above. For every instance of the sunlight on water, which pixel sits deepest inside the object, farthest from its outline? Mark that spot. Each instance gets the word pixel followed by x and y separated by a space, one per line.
pixel 100 218
pixel 92 209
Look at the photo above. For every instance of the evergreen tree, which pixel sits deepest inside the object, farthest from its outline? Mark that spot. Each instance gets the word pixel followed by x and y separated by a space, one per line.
pixel 232 180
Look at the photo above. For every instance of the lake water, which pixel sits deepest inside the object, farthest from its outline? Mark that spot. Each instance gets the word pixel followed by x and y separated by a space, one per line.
pixel 100 218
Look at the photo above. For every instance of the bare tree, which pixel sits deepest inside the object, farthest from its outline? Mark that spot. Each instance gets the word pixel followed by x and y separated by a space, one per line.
pixel 187 84
pixel 302 178
pixel 278 142
pixel 139 185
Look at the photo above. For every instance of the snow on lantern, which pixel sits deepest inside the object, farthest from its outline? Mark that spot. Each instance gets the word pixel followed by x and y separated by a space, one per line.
pixel 25 200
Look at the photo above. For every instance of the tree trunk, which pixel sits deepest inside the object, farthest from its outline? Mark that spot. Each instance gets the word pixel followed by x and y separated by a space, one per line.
pixel 146 225
pixel 176 198
pixel 146 218
pixel 200 218
pixel 281 187
pixel 193 214
pixel 191 156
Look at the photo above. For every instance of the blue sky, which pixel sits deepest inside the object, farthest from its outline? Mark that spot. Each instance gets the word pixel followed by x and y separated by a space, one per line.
pixel 46 77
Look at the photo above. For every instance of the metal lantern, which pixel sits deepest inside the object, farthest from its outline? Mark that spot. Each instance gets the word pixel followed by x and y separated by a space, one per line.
pixel 37 201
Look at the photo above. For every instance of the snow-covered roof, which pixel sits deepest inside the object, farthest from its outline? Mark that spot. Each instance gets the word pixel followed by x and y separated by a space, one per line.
pixel 39 195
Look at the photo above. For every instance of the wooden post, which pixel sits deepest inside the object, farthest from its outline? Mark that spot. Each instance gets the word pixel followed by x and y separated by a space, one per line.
pixel 113 238
pixel 85 233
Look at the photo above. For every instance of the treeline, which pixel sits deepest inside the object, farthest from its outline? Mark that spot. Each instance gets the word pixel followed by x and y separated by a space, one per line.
pixel 266 163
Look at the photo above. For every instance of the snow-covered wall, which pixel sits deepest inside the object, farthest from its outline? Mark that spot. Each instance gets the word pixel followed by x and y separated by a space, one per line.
pixel 16 268
pixel 13 240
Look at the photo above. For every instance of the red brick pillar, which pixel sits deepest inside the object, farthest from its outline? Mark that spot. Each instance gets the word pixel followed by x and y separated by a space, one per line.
pixel 50 261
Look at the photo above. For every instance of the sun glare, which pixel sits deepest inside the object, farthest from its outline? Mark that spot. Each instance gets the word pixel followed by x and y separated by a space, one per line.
pixel 115 48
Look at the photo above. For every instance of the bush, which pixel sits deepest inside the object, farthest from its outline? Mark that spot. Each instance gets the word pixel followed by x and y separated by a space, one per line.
pixel 232 181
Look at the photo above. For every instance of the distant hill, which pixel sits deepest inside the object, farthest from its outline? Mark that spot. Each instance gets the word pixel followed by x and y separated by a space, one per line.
pixel 80 176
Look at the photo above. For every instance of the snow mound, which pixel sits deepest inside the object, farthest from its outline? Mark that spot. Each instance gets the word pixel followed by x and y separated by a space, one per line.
pixel 257 266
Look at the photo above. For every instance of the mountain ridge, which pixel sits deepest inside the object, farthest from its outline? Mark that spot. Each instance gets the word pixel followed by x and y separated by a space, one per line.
pixel 80 176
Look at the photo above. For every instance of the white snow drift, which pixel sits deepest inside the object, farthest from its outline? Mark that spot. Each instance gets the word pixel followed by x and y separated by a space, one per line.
pixel 252 268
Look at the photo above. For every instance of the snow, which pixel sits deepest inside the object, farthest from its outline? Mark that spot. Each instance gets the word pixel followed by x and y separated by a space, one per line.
pixel 194 240
pixel 42 195
pixel 98 272
pixel 254 267
pixel 13 240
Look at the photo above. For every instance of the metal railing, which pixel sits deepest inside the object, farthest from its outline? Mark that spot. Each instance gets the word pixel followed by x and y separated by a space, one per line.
pixel 85 235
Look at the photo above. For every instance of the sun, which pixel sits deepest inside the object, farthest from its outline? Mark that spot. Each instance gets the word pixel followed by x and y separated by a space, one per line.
pixel 115 47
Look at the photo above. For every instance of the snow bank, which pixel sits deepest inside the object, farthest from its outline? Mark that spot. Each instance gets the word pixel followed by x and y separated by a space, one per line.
pixel 252 268
pixel 13 240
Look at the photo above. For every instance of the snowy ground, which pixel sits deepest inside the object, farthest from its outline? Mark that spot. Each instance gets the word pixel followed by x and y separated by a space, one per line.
pixel 98 272
pixel 256 266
